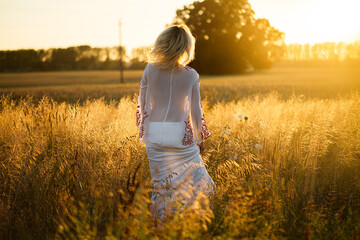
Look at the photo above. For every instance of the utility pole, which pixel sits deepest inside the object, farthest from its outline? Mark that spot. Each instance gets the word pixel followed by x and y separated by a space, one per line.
pixel 121 55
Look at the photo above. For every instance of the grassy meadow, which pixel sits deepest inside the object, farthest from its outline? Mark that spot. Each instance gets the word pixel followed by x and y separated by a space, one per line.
pixel 284 154
pixel 78 86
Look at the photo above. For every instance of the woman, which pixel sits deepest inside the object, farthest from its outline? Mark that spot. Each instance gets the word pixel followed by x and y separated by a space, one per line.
pixel 171 122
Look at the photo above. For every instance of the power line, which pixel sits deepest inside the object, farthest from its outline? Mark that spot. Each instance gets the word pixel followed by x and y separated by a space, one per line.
pixel 58 10
pixel 50 26
pixel 99 1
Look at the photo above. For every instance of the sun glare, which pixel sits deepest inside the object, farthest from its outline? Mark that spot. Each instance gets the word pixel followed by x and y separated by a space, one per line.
pixel 95 22
pixel 331 21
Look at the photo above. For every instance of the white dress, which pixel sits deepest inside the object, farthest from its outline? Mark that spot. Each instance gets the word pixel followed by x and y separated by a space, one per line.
pixel 171 121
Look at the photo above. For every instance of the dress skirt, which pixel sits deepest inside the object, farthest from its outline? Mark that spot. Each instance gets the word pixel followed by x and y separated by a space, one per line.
pixel 178 174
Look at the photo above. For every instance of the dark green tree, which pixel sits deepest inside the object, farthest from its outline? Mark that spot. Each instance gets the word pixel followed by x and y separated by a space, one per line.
pixel 63 59
pixel 87 58
pixel 19 60
pixel 229 38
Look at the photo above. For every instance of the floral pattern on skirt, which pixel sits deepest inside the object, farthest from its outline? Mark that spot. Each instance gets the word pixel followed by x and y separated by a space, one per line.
pixel 175 171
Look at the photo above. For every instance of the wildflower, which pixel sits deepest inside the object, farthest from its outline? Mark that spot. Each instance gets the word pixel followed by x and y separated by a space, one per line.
pixel 258 146
pixel 227 131
pixel 239 116
pixel 263 124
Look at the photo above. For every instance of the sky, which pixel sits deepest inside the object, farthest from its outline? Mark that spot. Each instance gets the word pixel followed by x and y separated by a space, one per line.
pixel 62 23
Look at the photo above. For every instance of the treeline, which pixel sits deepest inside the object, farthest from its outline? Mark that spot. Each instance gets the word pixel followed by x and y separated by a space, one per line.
pixel 85 57
pixel 323 52
pixel 82 57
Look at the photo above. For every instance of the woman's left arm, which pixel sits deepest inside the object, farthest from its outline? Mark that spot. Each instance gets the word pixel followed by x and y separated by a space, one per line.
pixel 141 98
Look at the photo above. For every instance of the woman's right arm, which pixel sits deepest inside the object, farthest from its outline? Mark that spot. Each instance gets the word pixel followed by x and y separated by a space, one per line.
pixel 140 108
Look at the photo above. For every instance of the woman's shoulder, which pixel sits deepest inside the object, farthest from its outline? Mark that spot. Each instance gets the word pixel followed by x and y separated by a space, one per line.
pixel 191 70
pixel 150 68
pixel 148 65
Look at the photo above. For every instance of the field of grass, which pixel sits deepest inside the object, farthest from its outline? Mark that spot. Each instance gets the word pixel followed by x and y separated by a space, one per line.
pixel 312 82
pixel 74 169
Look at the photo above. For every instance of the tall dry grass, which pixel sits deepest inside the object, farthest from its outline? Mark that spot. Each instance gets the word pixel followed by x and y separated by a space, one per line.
pixel 284 169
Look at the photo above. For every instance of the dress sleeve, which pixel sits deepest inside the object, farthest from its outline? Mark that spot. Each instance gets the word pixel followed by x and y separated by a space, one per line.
pixel 140 108
pixel 201 131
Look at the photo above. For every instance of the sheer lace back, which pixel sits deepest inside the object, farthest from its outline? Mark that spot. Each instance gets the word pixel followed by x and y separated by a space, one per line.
pixel 169 110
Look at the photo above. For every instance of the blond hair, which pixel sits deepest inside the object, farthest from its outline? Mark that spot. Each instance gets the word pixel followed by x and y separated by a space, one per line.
pixel 173 48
